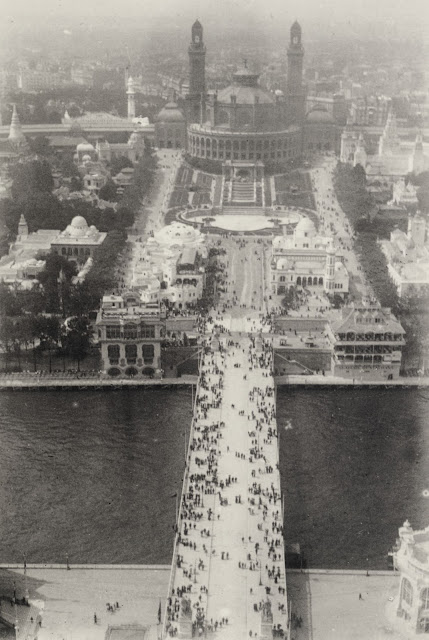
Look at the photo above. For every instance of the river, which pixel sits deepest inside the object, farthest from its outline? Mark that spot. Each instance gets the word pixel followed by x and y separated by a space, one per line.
pixel 93 474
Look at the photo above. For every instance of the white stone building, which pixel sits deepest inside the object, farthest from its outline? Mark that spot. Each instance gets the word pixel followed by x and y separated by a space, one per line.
pixel 404 194
pixel 309 260
pixel 171 265
pixel 78 242
pixel 407 256
pixel 395 156
pixel 411 558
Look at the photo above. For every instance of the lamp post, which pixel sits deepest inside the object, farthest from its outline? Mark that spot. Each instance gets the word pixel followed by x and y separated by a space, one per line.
pixel 26 592
pixel 16 624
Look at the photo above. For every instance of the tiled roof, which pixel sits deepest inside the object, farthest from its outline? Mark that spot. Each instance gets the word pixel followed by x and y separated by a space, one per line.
pixel 348 321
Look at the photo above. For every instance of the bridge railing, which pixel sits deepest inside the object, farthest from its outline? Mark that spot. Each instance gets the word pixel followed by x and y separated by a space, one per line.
pixel 179 514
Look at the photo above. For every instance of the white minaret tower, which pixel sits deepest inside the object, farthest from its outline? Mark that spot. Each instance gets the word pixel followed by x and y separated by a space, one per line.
pixel 330 266
pixel 22 227
pixel 360 156
pixel 131 93
pixel 417 160
pixel 16 135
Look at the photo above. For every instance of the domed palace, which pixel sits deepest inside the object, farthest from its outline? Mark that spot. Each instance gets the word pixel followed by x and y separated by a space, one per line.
pixel 78 241
pixel 307 259
pixel 170 128
pixel 410 609
pixel 243 122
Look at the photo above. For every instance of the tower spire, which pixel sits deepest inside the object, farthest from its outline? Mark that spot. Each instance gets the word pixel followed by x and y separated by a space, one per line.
pixel 197 83
pixel 131 93
pixel 295 89
pixel 15 132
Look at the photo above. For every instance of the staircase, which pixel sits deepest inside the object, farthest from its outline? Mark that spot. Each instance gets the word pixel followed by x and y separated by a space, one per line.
pixel 243 209
pixel 242 193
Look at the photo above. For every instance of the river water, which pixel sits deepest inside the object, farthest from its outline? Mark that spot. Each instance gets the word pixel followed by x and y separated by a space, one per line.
pixel 94 473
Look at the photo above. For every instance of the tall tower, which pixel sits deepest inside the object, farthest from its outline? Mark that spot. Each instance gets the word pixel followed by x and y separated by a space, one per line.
pixel 330 266
pixel 16 135
pixel 22 227
pixel 197 73
pixel 417 160
pixel 294 86
pixel 360 156
pixel 131 93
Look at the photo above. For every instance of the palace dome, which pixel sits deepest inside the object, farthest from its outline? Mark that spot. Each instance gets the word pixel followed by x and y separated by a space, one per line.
pixel 244 89
pixel 178 233
pixel 170 113
pixel 79 222
pixel 282 264
pixel 279 242
pixel 78 228
pixel 319 115
pixel 305 227
pixel 84 146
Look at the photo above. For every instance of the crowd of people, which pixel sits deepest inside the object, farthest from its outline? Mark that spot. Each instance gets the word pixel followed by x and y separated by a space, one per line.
pixel 230 522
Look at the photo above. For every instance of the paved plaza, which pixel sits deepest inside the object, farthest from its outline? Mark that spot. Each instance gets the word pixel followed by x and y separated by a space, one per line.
pixel 68 600
pixel 326 601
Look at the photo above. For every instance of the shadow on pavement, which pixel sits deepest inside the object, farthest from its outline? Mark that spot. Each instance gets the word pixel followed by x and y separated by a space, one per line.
pixel 299 596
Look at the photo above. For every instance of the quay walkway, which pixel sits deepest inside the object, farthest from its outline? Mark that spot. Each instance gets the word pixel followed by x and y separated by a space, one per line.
pixel 46 382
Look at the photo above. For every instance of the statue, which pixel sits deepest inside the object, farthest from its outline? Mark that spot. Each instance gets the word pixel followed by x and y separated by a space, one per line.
pixel 267 615
pixel 185 609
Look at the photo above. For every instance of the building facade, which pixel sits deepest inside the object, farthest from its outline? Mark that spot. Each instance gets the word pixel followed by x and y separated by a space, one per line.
pixel 411 558
pixel 170 128
pixel 393 155
pixel 243 122
pixel 407 256
pixel 307 259
pixel 366 343
pixel 78 242
pixel 130 334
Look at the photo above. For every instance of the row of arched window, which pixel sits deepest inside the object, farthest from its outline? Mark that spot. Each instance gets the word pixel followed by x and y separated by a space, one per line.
pixel 75 251
pixel 251 144
pixel 407 594
pixel 131 353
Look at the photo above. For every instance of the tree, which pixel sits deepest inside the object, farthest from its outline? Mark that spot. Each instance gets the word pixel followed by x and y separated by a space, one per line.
pixel 57 293
pixel 291 299
pixel 9 302
pixel 40 145
pixel 47 330
pixel 117 164
pixel 108 191
pixel 68 168
pixel 76 338
pixel 10 212
pixel 6 337
pixel 125 217
pixel 76 183
pixel 30 177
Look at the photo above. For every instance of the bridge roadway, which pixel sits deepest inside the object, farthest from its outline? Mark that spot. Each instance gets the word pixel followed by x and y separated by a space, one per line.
pixel 228 578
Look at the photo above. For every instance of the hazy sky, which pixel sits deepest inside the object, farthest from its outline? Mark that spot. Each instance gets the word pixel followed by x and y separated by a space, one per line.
pixel 400 11
pixel 384 18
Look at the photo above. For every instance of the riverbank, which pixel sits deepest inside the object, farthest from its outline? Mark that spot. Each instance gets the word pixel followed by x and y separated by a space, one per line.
pixel 327 601
pixel 19 382
pixel 32 381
